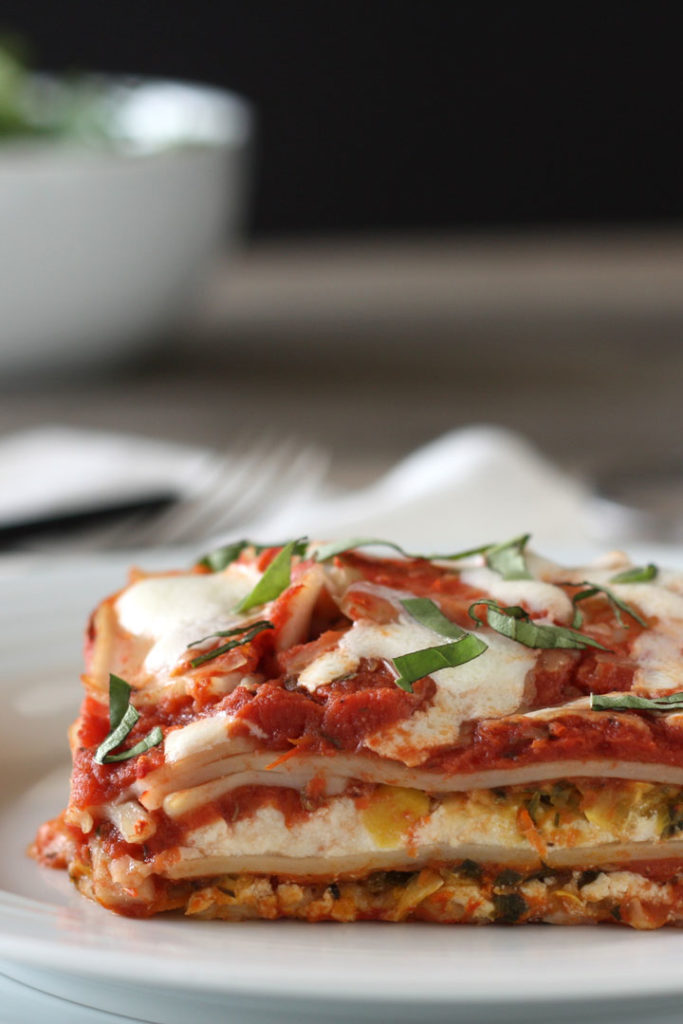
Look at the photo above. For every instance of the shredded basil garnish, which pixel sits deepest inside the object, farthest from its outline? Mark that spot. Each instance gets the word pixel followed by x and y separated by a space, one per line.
pixel 426 612
pixel 221 558
pixel 276 578
pixel 618 606
pixel 639 574
pixel 152 739
pixel 515 623
pixel 624 701
pixel 324 552
pixel 122 717
pixel 419 664
pixel 242 634
pixel 509 559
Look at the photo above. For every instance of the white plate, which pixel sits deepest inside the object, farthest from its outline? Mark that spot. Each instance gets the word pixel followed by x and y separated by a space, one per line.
pixel 173 970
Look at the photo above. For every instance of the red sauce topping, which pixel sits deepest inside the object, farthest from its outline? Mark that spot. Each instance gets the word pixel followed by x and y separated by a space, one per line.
pixel 341 715
pixel 496 743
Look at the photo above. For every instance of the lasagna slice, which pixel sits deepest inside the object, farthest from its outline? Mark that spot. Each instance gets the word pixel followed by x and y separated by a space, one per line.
pixel 310 731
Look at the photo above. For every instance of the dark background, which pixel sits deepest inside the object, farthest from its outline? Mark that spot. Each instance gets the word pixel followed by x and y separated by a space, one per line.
pixel 415 116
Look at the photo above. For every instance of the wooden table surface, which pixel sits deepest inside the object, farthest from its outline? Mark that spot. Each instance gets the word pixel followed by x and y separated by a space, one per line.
pixel 374 346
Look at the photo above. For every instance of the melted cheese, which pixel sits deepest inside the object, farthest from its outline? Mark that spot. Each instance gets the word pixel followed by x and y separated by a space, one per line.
pixel 652 600
pixel 174 611
pixel 657 650
pixel 487 687
pixel 539 597
pixel 368 639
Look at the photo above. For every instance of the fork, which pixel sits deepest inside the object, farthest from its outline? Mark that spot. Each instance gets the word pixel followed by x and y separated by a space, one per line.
pixel 232 491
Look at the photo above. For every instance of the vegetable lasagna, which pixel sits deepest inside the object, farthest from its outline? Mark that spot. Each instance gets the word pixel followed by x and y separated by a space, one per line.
pixel 315 731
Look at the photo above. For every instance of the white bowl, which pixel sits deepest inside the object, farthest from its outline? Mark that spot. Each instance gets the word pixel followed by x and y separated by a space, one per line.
pixel 102 246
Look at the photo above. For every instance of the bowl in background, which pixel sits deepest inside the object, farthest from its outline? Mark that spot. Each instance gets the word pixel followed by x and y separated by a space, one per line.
pixel 106 233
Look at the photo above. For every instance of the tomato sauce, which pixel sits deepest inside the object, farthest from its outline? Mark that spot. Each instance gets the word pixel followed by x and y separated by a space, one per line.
pixel 613 737
pixel 92 783
pixel 343 714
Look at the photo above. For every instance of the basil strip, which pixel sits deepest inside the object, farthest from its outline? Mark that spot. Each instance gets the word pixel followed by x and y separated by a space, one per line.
pixel 243 635
pixel 419 664
pixel 263 623
pixel 508 559
pixel 152 739
pixel 221 558
pixel 619 606
pixel 600 702
pixel 430 615
pixel 324 552
pixel 122 718
pixel 639 574
pixel 275 579
pixel 516 624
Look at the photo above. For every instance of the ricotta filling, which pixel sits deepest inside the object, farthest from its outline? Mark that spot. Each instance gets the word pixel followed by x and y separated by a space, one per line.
pixel 402 826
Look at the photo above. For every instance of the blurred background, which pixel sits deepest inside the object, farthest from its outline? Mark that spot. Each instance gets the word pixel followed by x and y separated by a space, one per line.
pixel 446 215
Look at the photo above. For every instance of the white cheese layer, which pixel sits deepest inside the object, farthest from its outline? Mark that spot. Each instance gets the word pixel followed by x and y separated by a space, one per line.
pixel 368 639
pixel 539 597
pixel 658 650
pixel 174 611
pixel 651 599
pixel 340 829
pixel 489 686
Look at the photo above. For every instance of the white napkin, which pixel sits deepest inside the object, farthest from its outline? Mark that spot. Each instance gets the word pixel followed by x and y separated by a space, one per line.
pixel 56 471
pixel 468 487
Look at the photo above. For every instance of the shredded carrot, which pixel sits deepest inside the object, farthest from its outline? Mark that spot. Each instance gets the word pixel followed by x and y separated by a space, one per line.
pixel 283 757
pixel 526 826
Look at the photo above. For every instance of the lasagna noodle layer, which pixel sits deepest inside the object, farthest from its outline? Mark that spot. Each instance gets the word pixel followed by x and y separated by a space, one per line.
pixel 558 827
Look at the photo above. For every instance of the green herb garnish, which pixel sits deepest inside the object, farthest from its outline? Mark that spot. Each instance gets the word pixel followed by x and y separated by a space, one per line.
pixel 509 559
pixel 324 552
pixel 618 605
pixel 639 574
pixel 626 701
pixel 418 664
pixel 426 612
pixel 221 558
pixel 276 578
pixel 122 718
pixel 242 635
pixel 515 623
